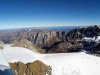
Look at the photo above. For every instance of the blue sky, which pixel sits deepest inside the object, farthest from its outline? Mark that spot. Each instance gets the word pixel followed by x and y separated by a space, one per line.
pixel 38 13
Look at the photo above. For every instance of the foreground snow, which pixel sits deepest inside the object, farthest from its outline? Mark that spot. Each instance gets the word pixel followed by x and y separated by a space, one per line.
pixel 62 63
pixel 3 63
pixel 2 60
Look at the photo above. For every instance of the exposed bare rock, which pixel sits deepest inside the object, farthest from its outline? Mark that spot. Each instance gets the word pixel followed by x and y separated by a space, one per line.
pixel 1 45
pixel 78 33
pixel 27 44
pixel 47 39
pixel 41 39
pixel 51 41
pixel 65 48
pixel 35 68
pixel 18 68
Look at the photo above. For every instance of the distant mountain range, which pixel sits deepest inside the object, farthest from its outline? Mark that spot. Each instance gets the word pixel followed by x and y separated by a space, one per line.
pixel 55 28
pixel 53 39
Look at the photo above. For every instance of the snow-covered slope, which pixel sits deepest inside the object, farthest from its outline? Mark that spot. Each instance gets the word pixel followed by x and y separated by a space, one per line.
pixel 14 54
pixel 89 39
pixel 61 63
pixel 2 60
pixel 3 63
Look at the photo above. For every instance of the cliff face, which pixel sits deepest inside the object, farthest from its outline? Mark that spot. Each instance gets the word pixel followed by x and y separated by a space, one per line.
pixel 43 39
pixel 53 41
pixel 35 68
pixel 90 31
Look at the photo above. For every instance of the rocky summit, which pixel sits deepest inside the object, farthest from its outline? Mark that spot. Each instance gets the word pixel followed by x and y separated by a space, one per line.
pixel 35 68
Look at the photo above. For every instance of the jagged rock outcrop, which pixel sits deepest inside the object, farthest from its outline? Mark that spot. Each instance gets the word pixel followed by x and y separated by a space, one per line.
pixel 35 68
pixel 78 33
pixel 40 39
pixel 95 49
pixel 52 41
pixel 44 39
pixel 91 45
pixel 65 48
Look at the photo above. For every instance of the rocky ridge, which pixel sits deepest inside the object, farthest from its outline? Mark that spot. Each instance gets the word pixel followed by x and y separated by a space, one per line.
pixel 53 41
pixel 35 68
